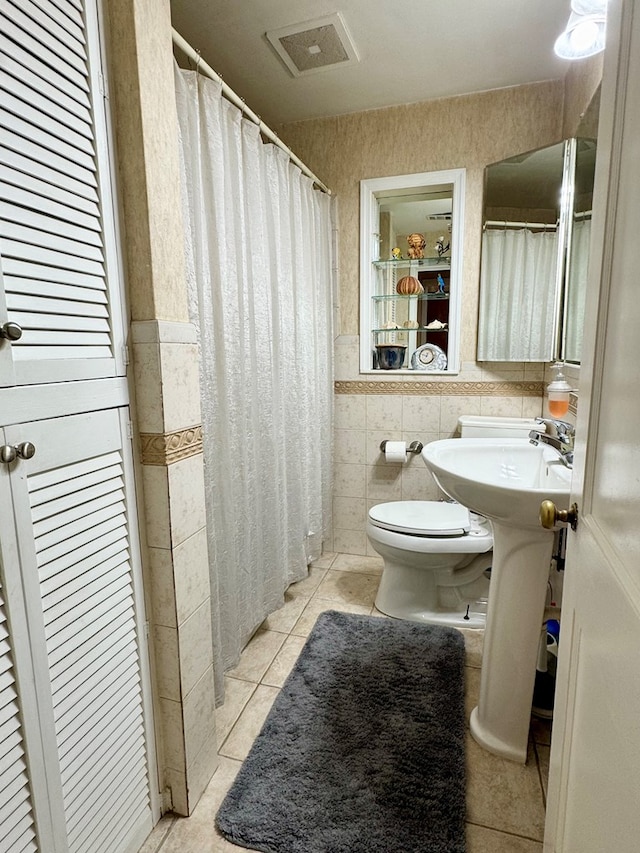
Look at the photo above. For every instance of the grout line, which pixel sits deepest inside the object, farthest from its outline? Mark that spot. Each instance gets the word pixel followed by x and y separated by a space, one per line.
pixel 505 832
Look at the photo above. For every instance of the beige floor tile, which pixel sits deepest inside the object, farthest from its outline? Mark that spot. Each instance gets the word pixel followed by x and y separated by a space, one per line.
pixel 236 695
pixel 349 588
pixel 317 606
pixel 357 563
pixel 324 562
pixel 471 690
pixel 285 618
pixel 306 587
pixel 158 834
pixel 473 643
pixel 257 656
pixel 284 661
pixel 248 725
pixel 502 794
pixel 480 839
pixel 197 834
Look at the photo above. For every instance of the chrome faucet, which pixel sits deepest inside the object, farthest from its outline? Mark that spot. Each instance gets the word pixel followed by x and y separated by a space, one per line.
pixel 557 434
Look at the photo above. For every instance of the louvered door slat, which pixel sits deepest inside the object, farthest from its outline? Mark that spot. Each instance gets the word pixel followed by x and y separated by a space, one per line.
pixel 91 802
pixel 26 305
pixel 104 838
pixel 116 678
pixel 45 142
pixel 29 194
pixel 116 550
pixel 34 114
pixel 80 592
pixel 94 301
pixel 77 670
pixel 80 540
pixel 43 52
pixel 74 729
pixel 35 254
pixel 76 505
pixel 29 321
pixel 57 233
pixel 124 724
pixel 24 83
pixel 68 52
pixel 51 497
pixel 108 539
pixel 17 830
pixel 34 161
pixel 94 831
pixel 68 19
pixel 43 240
pixel 96 514
pixel 59 654
pixel 73 89
pixel 57 481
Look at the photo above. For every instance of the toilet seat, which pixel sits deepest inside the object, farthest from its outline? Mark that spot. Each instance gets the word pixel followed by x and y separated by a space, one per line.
pixel 422 518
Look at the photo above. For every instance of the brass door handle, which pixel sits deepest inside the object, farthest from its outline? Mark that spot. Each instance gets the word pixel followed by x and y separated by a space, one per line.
pixel 550 515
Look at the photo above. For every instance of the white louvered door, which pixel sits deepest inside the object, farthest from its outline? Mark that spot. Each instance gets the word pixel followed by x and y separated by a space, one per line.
pixel 58 264
pixel 77 563
pixel 17 824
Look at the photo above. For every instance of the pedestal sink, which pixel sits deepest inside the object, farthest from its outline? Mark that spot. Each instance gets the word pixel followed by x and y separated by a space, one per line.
pixel 506 481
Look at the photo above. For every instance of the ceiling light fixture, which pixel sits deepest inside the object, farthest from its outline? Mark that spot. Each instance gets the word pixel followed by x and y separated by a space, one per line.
pixel 584 34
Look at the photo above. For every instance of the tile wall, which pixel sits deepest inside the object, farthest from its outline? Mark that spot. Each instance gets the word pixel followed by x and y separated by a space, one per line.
pixel 366 413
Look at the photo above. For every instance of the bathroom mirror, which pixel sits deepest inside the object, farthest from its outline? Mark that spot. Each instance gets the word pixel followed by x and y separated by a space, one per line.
pixel 535 251
pixel 411 229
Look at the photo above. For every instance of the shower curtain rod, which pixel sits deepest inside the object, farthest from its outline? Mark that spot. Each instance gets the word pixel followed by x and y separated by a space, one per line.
pixel 228 92
pixel 502 223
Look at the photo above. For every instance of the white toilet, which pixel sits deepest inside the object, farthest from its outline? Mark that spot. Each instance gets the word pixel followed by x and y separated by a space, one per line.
pixel 436 554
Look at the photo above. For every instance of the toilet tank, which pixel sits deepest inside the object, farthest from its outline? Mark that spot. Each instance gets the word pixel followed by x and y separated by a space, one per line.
pixel 478 426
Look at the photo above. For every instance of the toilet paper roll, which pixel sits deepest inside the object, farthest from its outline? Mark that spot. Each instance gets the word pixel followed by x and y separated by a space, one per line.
pixel 395 451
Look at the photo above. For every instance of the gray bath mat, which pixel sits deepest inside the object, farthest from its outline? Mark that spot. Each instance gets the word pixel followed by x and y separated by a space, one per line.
pixel 363 750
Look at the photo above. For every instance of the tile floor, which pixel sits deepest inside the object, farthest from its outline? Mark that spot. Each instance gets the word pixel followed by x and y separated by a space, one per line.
pixel 505 801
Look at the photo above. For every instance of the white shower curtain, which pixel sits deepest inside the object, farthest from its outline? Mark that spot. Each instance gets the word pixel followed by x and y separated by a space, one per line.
pixel 577 289
pixel 517 295
pixel 258 248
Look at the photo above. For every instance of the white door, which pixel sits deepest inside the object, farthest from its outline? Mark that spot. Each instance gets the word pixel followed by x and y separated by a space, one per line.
pixel 68 551
pixel 59 274
pixel 594 786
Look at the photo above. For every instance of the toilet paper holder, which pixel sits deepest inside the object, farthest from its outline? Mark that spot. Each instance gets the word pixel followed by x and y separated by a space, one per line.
pixel 414 447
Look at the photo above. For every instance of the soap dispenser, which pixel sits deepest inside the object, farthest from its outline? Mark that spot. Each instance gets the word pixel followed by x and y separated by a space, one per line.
pixel 558 394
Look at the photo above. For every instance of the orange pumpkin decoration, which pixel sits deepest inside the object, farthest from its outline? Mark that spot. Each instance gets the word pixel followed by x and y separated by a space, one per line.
pixel 409 286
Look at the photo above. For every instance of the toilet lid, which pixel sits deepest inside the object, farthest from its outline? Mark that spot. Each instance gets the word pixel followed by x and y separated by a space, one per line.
pixel 422 518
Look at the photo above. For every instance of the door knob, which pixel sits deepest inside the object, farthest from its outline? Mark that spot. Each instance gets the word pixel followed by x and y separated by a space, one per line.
pixel 10 452
pixel 11 331
pixel 550 515
pixel 26 450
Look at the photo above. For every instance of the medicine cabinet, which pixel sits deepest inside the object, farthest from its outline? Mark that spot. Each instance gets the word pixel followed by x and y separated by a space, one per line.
pixel 423 326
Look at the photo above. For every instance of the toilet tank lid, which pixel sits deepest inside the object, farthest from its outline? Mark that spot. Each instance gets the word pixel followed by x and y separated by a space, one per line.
pixel 423 518
pixel 486 426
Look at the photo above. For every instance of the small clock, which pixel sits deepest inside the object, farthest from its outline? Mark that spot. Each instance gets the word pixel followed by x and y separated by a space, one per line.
pixel 429 357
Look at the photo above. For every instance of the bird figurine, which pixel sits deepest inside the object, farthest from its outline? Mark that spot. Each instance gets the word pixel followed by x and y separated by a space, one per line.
pixel 396 254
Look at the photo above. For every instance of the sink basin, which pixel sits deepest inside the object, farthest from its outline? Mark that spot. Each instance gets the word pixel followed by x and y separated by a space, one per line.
pixel 506 480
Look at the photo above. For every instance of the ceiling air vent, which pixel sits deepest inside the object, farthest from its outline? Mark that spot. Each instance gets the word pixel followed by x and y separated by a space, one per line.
pixel 314 45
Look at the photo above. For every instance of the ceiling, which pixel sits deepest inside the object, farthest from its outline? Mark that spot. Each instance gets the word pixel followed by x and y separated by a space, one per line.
pixel 409 50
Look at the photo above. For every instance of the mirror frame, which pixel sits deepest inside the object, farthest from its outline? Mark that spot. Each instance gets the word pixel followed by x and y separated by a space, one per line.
pixel 370 190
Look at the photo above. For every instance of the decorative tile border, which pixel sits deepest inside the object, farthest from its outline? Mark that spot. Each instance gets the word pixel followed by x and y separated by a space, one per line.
pixel 444 389
pixel 170 447
pixel 573 404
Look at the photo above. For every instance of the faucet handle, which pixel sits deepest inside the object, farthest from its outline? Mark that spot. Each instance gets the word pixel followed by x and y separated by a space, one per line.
pixel 563 430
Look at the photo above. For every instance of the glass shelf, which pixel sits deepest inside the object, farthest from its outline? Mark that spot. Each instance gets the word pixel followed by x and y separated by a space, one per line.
pixel 404 330
pixel 419 296
pixel 443 263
